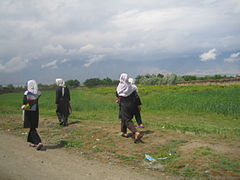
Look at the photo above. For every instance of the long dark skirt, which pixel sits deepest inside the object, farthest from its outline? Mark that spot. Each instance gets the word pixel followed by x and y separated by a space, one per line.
pixel 63 107
pixel 31 119
pixel 63 118
pixel 33 136
pixel 138 116
pixel 127 111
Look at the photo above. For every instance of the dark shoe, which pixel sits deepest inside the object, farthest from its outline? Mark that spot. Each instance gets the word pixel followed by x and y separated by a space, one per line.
pixel 140 126
pixel 125 135
pixel 32 145
pixel 138 138
pixel 39 146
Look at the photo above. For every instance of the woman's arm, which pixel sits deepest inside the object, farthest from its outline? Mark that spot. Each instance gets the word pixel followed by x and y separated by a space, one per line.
pixel 24 99
pixel 57 99
pixel 137 99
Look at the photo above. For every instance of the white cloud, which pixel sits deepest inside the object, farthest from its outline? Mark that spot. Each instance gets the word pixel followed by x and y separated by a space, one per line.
pixel 65 60
pixel 136 30
pixel 51 49
pixel 87 48
pixel 166 26
pixel 153 70
pixel 14 64
pixel 93 59
pixel 210 55
pixel 173 29
pixel 59 50
pixel 52 64
pixel 154 20
pixel 233 57
pixel 213 71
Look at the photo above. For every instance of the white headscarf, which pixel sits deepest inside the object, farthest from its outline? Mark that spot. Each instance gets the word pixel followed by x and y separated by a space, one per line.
pixel 60 82
pixel 124 88
pixel 32 86
pixel 131 80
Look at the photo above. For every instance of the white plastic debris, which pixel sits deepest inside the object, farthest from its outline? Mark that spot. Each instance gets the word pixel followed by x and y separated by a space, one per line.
pixel 149 158
pixel 163 158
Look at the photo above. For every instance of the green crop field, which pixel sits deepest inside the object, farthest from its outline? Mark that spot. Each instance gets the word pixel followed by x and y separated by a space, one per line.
pixel 202 109
pixel 174 116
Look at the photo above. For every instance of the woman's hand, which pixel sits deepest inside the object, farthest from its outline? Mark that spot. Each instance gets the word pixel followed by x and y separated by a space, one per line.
pixel 23 107
pixel 118 101
pixel 139 108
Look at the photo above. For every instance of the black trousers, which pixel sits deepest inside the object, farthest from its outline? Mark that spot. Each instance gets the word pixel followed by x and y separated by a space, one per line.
pixel 138 116
pixel 127 124
pixel 63 119
pixel 126 113
pixel 33 136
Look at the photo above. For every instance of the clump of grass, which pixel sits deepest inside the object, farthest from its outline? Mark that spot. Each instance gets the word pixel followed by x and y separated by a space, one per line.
pixel 201 161
pixel 195 110
pixel 77 143
pixel 125 158
pixel 223 163
pixel 221 101
pixel 204 151
pixel 169 150
pixel 97 149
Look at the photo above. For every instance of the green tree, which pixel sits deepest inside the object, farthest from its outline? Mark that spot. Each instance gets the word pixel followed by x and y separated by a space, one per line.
pixel 171 79
pixel 10 87
pixel 218 76
pixel 72 83
pixel 46 86
pixel 107 81
pixel 189 78
pixel 160 75
pixel 138 79
pixel 92 82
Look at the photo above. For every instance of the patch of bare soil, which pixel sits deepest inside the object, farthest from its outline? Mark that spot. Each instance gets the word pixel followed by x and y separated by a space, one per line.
pixel 229 149
pixel 20 162
pixel 111 156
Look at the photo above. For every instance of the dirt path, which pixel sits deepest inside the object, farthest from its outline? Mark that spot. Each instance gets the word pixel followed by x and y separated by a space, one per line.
pixel 20 162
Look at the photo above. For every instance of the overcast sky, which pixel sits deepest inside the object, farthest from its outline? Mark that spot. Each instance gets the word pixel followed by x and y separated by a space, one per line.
pixel 80 39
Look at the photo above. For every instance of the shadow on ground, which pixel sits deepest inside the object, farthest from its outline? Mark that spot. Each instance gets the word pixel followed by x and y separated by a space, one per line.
pixel 74 122
pixel 54 146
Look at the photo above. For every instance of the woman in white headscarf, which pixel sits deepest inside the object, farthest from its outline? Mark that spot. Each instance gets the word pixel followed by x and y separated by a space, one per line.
pixel 63 102
pixel 31 113
pixel 127 98
pixel 137 110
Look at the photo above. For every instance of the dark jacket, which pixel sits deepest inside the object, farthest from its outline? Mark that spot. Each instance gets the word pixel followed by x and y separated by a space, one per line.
pixel 63 101
pixel 128 105
pixel 31 118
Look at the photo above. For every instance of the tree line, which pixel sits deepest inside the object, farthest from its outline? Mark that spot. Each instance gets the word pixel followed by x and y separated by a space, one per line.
pixel 148 79
pixel 160 79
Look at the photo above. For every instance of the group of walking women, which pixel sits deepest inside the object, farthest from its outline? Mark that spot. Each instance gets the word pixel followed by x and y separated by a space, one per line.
pixel 128 100
pixel 129 106
pixel 31 110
